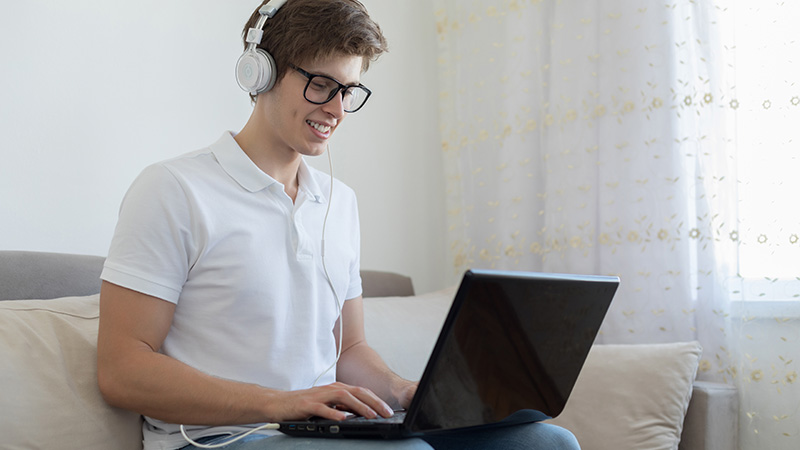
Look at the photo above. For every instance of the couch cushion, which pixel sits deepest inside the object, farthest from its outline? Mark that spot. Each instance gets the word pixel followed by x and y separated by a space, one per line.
pixel 48 375
pixel 626 397
pixel 632 396
pixel 403 330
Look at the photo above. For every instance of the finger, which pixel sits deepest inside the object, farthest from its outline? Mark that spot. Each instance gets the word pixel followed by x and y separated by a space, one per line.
pixel 315 402
pixel 355 399
pixel 350 399
pixel 327 412
pixel 372 401
pixel 323 401
pixel 408 395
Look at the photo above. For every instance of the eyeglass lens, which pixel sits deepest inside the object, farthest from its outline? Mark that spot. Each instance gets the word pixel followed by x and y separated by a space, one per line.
pixel 321 89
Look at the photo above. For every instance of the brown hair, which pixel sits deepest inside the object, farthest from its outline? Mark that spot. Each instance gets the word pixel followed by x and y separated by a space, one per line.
pixel 306 30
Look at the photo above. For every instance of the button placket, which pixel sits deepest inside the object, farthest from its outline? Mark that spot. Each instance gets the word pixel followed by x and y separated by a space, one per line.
pixel 304 249
pixel 289 209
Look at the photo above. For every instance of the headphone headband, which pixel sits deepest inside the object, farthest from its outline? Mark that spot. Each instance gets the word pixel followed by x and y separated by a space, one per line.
pixel 255 69
pixel 271 8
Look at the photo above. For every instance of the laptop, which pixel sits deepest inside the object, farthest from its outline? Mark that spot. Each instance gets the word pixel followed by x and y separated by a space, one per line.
pixel 509 352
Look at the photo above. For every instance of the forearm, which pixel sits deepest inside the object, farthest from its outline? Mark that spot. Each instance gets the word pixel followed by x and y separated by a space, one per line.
pixel 161 387
pixel 132 374
pixel 360 365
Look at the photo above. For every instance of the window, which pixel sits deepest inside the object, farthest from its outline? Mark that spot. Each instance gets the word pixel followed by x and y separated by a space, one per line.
pixel 767 127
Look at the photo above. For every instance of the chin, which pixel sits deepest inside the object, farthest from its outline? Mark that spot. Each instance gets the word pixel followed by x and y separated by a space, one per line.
pixel 320 149
pixel 315 151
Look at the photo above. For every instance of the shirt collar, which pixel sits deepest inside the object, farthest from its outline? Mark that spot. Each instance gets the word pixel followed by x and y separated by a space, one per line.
pixel 308 183
pixel 243 170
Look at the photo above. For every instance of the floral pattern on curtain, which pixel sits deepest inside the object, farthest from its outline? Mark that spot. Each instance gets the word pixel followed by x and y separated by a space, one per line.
pixel 607 137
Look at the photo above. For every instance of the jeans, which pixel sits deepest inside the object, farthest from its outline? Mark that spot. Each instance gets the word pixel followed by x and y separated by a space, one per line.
pixel 533 436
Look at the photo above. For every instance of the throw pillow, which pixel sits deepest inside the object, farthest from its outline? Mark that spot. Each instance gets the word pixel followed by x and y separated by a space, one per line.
pixel 403 330
pixel 48 377
pixel 632 396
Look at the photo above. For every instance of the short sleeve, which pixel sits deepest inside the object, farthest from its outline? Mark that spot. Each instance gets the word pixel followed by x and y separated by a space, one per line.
pixel 152 247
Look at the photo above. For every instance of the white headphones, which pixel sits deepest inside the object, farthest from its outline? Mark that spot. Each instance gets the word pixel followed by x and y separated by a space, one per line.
pixel 255 69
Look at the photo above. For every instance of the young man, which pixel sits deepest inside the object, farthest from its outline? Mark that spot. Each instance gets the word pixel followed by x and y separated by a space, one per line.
pixel 220 300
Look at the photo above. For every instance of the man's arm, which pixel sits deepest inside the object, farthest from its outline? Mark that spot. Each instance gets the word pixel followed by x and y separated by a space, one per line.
pixel 360 365
pixel 133 375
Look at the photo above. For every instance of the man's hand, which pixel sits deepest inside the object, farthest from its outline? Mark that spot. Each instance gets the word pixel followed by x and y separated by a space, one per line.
pixel 360 365
pixel 406 392
pixel 329 402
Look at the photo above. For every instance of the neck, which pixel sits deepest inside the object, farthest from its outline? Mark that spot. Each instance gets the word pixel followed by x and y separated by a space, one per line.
pixel 279 163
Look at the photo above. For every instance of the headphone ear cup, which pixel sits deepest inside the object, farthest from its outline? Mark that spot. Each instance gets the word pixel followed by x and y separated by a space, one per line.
pixel 256 71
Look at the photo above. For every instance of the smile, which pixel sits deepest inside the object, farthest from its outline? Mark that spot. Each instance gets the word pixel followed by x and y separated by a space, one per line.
pixel 319 127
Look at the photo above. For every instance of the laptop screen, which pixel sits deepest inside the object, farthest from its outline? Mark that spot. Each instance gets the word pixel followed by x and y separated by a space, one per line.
pixel 512 341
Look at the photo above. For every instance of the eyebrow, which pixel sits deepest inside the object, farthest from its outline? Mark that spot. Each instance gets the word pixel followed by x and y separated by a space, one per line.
pixel 346 83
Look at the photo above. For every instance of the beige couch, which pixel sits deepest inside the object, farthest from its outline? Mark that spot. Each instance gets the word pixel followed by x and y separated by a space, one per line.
pixel 627 397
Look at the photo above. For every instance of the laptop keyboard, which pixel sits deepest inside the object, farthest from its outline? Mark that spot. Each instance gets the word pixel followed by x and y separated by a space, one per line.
pixel 398 417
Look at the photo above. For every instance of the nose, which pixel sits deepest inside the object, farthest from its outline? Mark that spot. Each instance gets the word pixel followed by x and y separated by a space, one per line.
pixel 335 107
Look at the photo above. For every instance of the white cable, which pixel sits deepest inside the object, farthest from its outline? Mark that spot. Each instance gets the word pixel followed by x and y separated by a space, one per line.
pixel 328 277
pixel 266 426
pixel 275 426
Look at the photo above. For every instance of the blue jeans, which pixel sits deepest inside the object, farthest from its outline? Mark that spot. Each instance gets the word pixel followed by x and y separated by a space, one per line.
pixel 529 436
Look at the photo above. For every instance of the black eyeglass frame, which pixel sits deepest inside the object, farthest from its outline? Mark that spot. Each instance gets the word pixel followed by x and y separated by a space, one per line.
pixel 341 88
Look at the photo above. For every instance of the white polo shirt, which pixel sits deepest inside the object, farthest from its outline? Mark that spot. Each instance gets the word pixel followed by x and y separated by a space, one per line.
pixel 212 233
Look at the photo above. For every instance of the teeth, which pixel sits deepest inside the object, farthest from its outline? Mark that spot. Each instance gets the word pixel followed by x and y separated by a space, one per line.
pixel 320 128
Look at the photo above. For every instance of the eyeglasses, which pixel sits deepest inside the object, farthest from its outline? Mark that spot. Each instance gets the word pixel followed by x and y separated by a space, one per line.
pixel 321 89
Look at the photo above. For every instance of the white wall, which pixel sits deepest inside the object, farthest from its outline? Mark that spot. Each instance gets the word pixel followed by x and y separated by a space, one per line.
pixel 92 91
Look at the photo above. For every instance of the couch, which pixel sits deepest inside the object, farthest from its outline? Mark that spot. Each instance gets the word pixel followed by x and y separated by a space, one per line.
pixel 627 396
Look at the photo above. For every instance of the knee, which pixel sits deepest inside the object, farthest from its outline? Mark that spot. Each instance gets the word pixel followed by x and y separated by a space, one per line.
pixel 529 436
pixel 560 438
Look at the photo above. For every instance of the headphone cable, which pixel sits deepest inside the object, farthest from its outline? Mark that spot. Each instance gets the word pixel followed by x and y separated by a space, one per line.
pixel 275 426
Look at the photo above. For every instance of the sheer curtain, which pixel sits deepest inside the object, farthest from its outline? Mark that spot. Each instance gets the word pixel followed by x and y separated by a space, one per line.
pixel 604 137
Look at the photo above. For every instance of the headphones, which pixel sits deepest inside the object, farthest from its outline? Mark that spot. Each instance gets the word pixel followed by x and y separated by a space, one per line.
pixel 255 69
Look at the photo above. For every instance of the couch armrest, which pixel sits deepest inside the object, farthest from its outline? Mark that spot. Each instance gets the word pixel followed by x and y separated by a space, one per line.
pixel 712 419
pixel 40 275
pixel 385 284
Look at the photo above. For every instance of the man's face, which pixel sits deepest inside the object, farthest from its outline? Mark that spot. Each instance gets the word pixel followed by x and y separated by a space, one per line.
pixel 301 126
